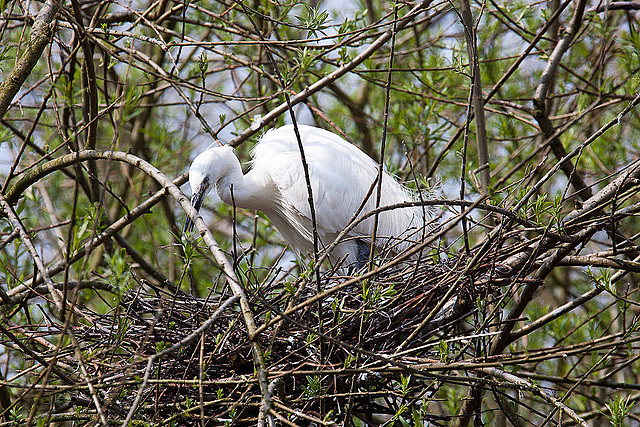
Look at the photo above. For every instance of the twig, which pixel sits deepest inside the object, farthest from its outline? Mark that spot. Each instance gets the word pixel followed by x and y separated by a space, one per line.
pixel 180 344
pixel 405 255
pixel 111 230
pixel 55 294
pixel 512 68
pixel 323 82
pixel 615 5
pixel 522 384
pixel 383 140
pixel 615 121
pixel 185 204
pixel 566 308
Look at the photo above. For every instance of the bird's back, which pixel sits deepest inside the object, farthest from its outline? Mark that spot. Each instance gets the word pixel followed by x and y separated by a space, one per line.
pixel 341 176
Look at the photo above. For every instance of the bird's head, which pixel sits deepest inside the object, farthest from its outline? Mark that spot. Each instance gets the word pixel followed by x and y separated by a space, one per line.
pixel 205 171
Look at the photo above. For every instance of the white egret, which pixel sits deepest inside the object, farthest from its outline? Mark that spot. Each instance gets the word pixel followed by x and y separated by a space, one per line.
pixel 341 177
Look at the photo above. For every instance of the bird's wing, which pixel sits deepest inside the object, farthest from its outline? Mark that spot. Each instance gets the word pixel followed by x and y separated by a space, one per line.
pixel 340 178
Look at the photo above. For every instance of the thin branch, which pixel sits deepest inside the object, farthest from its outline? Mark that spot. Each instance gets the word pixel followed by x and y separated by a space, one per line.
pixel 522 384
pixel 180 344
pixel 323 82
pixel 7 209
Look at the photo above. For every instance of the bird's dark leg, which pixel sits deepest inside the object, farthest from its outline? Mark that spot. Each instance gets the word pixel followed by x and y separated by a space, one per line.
pixel 362 254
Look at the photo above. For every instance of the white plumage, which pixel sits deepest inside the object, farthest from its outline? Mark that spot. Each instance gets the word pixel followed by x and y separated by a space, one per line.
pixel 341 176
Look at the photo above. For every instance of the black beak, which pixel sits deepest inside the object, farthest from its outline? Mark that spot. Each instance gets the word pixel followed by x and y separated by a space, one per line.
pixel 196 201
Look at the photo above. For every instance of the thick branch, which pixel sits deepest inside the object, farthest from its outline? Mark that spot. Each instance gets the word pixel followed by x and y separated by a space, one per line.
pixel 41 32
pixel 549 73
pixel 476 95
pixel 540 102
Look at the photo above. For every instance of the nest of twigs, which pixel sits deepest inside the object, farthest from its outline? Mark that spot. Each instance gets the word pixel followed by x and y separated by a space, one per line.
pixel 350 330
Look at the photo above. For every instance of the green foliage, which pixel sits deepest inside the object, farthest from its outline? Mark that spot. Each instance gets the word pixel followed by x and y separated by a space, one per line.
pixel 118 270
pixel 161 346
pixel 314 386
pixel 404 384
pixel 603 279
pixel 165 73
pixel 314 20
pixel 16 413
pixel 81 232
pixel 5 54
pixel 443 350
pixel 452 399
pixel 618 410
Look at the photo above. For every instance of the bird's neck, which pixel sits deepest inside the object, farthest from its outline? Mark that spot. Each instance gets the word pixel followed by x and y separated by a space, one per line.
pixel 237 189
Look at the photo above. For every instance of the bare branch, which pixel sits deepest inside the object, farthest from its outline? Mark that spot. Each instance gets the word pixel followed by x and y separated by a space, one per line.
pixel 41 33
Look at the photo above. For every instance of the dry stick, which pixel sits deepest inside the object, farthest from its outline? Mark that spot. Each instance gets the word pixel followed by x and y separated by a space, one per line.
pixel 201 374
pixel 528 49
pixel 370 50
pixel 90 97
pixel 170 79
pixel 428 365
pixel 40 290
pixel 543 146
pixel 180 344
pixel 422 369
pixel 615 5
pixel 631 266
pixel 601 197
pixel 452 290
pixel 299 414
pixel 282 108
pixel 62 314
pixel 55 294
pixel 604 196
pixel 580 300
pixel 41 32
pixel 285 421
pixel 307 178
pixel 521 384
pixel 5 400
pixel 527 293
pixel 615 121
pixel 586 382
pixel 298 97
pixel 391 362
pixel 350 282
pixel 470 35
pixel 35 356
pixel 185 204
pixel 25 141
pixel 579 382
pixel 355 220
pixel 463 170
pixel 590 207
